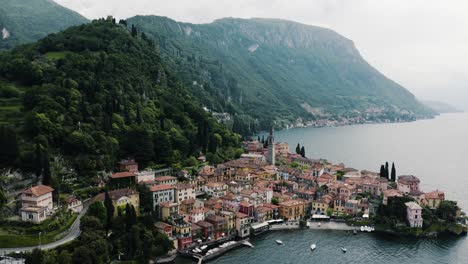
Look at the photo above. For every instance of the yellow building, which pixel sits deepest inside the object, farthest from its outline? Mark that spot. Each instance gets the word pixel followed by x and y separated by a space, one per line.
pixel 292 209
pixel 120 198
pixel 434 198
pixel 168 209
pixel 229 220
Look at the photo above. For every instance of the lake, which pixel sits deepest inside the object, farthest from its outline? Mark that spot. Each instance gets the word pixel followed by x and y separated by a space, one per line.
pixel 434 150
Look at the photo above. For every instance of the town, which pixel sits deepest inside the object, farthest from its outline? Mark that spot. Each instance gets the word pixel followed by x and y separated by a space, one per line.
pixel 267 187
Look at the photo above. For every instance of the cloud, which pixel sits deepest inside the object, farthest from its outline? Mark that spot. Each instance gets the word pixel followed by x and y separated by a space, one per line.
pixel 422 44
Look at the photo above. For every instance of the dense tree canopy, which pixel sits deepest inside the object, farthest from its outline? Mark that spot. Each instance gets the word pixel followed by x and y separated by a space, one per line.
pixel 98 93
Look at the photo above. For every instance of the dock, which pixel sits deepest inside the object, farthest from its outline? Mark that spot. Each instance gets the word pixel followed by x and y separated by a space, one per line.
pixel 221 251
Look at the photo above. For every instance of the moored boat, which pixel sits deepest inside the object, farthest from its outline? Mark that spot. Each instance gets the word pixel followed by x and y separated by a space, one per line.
pixel 313 247
pixel 344 249
pixel 279 242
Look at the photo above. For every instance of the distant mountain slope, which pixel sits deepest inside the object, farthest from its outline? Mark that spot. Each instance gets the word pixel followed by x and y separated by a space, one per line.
pixel 23 21
pixel 267 69
pixel 441 107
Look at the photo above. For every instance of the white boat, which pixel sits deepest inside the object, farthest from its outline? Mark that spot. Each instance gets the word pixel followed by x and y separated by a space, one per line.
pixel 203 247
pixel 279 242
pixel 362 228
pixel 313 247
pixel 319 224
pixel 344 249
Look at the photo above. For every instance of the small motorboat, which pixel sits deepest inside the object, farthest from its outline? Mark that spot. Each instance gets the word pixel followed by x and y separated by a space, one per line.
pixel 344 249
pixel 313 247
pixel 203 247
pixel 354 232
pixel 319 224
pixel 279 242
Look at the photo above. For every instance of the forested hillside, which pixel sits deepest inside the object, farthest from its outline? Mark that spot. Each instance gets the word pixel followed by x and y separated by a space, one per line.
pixel 23 21
pixel 99 92
pixel 264 70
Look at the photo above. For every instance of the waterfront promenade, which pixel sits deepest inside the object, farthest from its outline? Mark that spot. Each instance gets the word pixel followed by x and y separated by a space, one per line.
pixel 315 225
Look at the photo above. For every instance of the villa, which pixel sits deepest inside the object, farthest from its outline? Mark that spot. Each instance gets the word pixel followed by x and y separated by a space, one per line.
pixel 36 203
pixel 414 214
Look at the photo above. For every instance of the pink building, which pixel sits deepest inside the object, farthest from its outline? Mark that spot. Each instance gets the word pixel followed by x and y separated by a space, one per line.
pixel 408 183
pixel 414 214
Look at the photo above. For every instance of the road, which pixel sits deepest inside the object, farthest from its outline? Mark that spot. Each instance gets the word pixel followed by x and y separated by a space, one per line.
pixel 72 235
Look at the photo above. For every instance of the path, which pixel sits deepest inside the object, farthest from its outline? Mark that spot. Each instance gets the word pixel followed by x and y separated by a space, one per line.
pixel 74 232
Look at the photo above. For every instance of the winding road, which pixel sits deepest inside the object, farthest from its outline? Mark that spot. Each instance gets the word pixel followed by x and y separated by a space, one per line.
pixel 74 232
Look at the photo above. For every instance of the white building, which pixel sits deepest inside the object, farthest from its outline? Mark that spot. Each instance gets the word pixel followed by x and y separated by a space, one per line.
pixel 75 205
pixel 36 203
pixel 216 189
pixel 163 193
pixel 169 180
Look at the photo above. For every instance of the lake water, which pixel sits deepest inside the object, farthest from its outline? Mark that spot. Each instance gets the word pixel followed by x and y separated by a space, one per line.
pixel 435 150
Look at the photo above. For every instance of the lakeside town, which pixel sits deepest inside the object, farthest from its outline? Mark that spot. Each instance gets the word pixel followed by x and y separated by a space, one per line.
pixel 213 209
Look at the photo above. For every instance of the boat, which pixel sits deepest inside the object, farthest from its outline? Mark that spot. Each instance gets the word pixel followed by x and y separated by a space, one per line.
pixel 344 249
pixel 203 247
pixel 313 247
pixel 319 224
pixel 362 228
pixel 354 232
pixel 279 242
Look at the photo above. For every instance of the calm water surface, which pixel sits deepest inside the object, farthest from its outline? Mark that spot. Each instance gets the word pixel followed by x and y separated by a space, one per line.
pixel 435 150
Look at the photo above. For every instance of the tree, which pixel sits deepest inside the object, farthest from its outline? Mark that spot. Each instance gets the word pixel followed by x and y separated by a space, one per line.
pixel 9 143
pixel 98 210
pixel 303 151
pixel 263 139
pixel 3 199
pixel 393 175
pixel 447 210
pixel 38 160
pixel 64 257
pixel 46 178
pixel 35 257
pixel 83 255
pixel 274 201
pixel 146 198
pixel 387 174
pixel 109 211
pixel 134 31
pixel 382 171
pixel 130 216
pixel 258 139
pixel 298 149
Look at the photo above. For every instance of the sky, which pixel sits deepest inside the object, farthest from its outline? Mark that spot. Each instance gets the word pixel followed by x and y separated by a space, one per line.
pixel 421 44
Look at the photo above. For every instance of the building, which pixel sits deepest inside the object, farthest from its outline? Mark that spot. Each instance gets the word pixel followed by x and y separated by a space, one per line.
pixel 37 203
pixel 292 209
pixel 168 180
pixel 197 215
pixel 271 148
pixel 282 149
pixel 242 225
pixel 162 193
pixel 120 198
pixel 229 221
pixel 168 209
pixel 216 189
pixel 145 176
pixel 128 165
pixel 218 223
pixel 352 207
pixel 408 183
pixel 184 192
pixel 207 229
pixel 389 194
pixel 182 231
pixel 414 214
pixel 123 179
pixel 74 205
pixel 434 198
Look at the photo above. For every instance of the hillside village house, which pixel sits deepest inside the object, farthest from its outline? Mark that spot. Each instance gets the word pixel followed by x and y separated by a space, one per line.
pixel 242 225
pixel 120 198
pixel 389 194
pixel 216 189
pixel 74 205
pixel 292 209
pixel 129 165
pixel 434 198
pixel 414 214
pixel 184 192
pixel 162 193
pixel 408 183
pixel 36 203
pixel 168 180
pixel 122 179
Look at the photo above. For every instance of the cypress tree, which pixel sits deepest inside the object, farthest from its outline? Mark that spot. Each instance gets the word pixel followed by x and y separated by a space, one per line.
pixel 298 149
pixel 110 211
pixel 134 31
pixel 387 174
pixel 258 139
pixel 38 161
pixel 393 176
pixel 263 139
pixel 303 152
pixel 382 171
pixel 46 170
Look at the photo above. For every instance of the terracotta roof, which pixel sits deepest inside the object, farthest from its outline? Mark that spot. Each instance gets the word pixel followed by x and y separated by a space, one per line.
pixel 39 190
pixel 165 178
pixel 204 224
pixel 413 205
pixel 161 225
pixel 116 194
pixel 291 203
pixel 408 179
pixel 392 192
pixel 161 187
pixel 435 195
pixel 128 162
pixel 181 186
pixel 241 215
pixel 124 174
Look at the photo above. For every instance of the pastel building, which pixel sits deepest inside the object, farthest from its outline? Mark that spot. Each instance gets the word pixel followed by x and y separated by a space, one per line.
pixel 414 214
pixel 36 203
pixel 408 183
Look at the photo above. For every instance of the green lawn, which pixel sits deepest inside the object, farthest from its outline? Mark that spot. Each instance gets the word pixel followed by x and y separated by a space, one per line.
pixel 8 239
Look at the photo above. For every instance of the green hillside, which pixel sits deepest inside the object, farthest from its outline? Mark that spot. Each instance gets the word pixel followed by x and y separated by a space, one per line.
pixel 264 70
pixel 23 21
pixel 96 93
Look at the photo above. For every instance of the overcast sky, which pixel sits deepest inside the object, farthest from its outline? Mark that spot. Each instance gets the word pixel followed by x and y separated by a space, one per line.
pixel 421 44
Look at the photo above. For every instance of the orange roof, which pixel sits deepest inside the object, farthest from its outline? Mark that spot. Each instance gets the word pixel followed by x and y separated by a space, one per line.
pixel 165 178
pixel 39 190
pixel 241 215
pixel 435 195
pixel 161 187
pixel 124 174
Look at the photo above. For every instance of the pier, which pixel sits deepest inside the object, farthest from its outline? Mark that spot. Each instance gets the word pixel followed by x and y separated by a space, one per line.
pixel 221 251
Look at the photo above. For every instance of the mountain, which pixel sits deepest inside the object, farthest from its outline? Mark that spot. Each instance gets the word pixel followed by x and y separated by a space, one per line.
pixel 23 21
pixel 441 107
pixel 96 93
pixel 265 70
